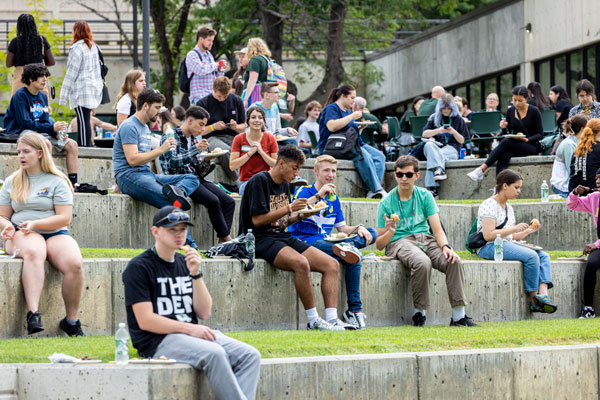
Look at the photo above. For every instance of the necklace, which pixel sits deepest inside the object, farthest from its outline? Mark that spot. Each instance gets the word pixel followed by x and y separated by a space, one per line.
pixel 412 214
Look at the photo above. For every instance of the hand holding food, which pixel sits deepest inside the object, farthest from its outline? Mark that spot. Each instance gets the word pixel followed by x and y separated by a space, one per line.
pixel 521 227
pixel 299 204
pixel 535 224
pixel 341 235
pixel 390 223
pixel 320 204
pixel 395 217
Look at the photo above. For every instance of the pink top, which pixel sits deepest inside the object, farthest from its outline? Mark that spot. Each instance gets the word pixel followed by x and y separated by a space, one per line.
pixel 589 204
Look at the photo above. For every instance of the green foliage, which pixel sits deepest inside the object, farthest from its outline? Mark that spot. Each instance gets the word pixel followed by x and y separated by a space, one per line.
pixel 48 29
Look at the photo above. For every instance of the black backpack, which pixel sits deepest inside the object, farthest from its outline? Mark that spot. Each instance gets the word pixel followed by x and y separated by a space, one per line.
pixel 184 80
pixel 343 144
pixel 235 248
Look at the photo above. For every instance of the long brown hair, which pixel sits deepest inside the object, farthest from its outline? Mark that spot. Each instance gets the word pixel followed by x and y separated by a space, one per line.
pixel 128 86
pixel 336 93
pixel 576 123
pixel 588 137
pixel 82 31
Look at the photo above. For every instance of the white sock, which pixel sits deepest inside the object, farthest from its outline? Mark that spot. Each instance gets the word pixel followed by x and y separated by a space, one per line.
pixel 330 314
pixel 312 315
pixel 416 310
pixel 458 313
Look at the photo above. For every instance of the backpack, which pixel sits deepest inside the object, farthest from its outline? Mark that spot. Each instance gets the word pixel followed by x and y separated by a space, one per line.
pixel 275 73
pixel 343 144
pixel 184 81
pixel 235 248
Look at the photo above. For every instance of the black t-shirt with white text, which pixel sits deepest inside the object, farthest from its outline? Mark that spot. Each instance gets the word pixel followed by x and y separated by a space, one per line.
pixel 262 195
pixel 168 286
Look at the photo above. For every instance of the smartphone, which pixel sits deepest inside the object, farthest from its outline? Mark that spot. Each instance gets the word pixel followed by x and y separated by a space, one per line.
pixel 446 126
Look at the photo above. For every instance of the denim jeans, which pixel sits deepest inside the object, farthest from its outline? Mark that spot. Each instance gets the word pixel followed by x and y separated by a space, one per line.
pixel 291 140
pixel 352 272
pixel 436 158
pixel 242 187
pixel 536 263
pixel 560 192
pixel 371 167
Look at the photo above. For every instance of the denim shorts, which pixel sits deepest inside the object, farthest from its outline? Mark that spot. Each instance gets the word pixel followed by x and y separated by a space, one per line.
pixel 47 236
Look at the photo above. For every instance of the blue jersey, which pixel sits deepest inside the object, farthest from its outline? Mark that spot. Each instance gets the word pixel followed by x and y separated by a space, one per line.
pixel 318 226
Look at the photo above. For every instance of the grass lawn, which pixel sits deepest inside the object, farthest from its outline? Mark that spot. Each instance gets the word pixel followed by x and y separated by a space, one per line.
pixel 300 343
pixel 469 201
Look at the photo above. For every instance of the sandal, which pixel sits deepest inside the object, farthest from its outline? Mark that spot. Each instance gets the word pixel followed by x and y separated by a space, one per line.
pixel 543 301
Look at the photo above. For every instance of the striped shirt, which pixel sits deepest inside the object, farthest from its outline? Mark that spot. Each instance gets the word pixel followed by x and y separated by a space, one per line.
pixel 205 70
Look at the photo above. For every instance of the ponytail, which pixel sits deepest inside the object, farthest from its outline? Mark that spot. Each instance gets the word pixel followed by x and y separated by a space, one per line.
pixel 336 93
pixel 588 137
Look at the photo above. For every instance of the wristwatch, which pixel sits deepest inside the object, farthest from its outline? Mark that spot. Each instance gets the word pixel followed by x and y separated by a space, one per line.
pixel 318 196
pixel 447 245
pixel 197 276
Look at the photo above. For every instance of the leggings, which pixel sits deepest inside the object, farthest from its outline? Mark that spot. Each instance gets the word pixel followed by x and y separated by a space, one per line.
pixel 507 149
pixel 84 126
pixel 219 204
pixel 589 277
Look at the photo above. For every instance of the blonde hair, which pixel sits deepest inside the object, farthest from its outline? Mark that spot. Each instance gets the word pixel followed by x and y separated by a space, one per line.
pixel 325 158
pixel 588 137
pixel 20 179
pixel 256 47
pixel 459 104
pixel 128 86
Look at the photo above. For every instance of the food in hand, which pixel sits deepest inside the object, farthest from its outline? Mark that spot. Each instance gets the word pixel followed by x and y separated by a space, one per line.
pixel 534 223
pixel 185 248
pixel 161 358
pixel 395 217
pixel 320 204
pixel 217 150
pixel 280 137
pixel 341 235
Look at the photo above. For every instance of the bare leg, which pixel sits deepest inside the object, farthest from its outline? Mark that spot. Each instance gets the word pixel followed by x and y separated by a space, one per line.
pixel 330 268
pixel 72 155
pixel 225 239
pixel 289 259
pixel 65 256
pixel 32 249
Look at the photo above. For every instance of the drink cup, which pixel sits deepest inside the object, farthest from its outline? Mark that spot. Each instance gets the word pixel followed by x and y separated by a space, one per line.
pixel 222 65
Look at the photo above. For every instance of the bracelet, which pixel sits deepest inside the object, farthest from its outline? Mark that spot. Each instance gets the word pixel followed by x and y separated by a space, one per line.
pixel 212 127
pixel 318 197
pixel 197 276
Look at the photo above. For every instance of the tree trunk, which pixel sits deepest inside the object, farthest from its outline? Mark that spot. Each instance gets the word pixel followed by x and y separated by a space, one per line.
pixel 272 27
pixel 334 69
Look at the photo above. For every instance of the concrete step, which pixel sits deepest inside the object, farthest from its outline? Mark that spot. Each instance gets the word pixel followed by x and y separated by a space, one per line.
pixel 95 167
pixel 264 298
pixel 521 373
pixel 117 221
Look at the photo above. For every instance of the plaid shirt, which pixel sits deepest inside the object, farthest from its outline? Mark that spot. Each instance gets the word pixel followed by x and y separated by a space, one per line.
pixel 82 85
pixel 180 161
pixel 205 70
pixel 594 110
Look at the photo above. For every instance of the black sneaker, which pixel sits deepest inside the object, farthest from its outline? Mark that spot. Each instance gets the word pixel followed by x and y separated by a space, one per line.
pixel 464 321
pixel 439 174
pixel 71 330
pixel 434 192
pixel 176 196
pixel 419 319
pixel 34 323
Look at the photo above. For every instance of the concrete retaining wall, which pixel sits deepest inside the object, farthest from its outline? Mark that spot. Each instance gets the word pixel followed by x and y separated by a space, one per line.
pixel 117 221
pixel 95 167
pixel 558 372
pixel 265 297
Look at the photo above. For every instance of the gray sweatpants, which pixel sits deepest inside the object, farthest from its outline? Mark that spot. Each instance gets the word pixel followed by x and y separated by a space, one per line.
pixel 232 367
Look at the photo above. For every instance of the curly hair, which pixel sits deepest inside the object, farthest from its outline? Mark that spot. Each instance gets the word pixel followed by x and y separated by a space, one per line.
pixel 29 42
pixel 588 137
pixel 31 73
pixel 256 47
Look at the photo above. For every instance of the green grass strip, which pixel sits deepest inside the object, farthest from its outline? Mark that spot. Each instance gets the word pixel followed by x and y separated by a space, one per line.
pixel 469 201
pixel 277 343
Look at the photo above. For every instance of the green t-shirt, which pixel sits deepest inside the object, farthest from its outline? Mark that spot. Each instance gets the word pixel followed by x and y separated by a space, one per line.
pixel 413 215
pixel 427 107
pixel 257 64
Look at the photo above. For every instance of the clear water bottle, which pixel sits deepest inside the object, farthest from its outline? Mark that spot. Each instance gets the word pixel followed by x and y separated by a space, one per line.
pixel 544 189
pixel 122 345
pixel 498 251
pixel 171 135
pixel 494 144
pixel 62 138
pixel 250 244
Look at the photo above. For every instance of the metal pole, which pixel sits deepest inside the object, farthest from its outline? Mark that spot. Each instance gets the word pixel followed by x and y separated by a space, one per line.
pixel 146 39
pixel 136 61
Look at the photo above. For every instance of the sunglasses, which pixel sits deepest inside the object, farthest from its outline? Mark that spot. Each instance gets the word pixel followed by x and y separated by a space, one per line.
pixel 403 174
pixel 175 217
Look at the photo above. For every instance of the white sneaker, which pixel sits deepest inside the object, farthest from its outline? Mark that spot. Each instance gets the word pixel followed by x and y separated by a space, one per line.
pixel 347 252
pixel 355 318
pixel 339 322
pixel 380 194
pixel 476 174
pixel 322 325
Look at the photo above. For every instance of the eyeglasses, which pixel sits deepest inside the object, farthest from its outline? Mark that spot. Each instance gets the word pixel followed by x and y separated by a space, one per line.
pixel 401 175
pixel 277 92
pixel 175 217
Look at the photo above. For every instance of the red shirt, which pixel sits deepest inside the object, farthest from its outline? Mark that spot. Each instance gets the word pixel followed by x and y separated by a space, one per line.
pixel 256 163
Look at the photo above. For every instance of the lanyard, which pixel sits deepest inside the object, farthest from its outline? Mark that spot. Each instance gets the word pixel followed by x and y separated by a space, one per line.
pixel 414 209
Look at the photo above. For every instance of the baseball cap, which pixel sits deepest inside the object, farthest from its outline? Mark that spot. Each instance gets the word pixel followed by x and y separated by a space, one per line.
pixel 170 216
pixel 242 51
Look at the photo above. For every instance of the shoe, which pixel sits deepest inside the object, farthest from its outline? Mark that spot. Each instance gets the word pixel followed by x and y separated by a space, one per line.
pixel 476 174
pixel 587 312
pixel 34 323
pixel 418 319
pixel 439 175
pixel 535 308
pixel 543 301
pixel 339 322
pixel 464 321
pixel 376 195
pixel 434 192
pixel 176 196
pixel 298 181
pixel 355 318
pixel 322 325
pixel 71 330
pixel 347 252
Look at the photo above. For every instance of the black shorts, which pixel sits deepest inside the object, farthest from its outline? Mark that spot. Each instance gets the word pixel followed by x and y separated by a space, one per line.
pixel 269 245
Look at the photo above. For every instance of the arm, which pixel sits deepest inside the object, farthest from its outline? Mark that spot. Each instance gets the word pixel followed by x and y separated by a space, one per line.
pixel 274 215
pixel 74 64
pixel 49 57
pixel 64 214
pixel 270 160
pixel 386 233
pixel 6 227
pixel 441 239
pixel 104 125
pixel 135 158
pixel 252 79
pixel 577 203
pixel 335 125
pixel 537 129
pixel 490 232
pixel 121 118
pixel 236 161
pixel 10 59
pixel 195 64
pixel 23 117
pixel 181 157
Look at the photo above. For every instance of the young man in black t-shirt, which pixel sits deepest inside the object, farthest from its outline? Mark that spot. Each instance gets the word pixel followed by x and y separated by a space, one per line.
pixel 267 210
pixel 227 119
pixel 164 297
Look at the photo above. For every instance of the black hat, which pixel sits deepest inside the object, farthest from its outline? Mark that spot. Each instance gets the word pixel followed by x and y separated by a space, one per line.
pixel 170 216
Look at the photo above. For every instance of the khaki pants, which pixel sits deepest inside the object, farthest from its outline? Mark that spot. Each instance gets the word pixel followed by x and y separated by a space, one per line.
pixel 420 261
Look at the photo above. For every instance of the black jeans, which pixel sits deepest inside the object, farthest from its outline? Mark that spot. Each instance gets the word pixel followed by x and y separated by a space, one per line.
pixel 219 204
pixel 589 277
pixel 508 148
pixel 84 126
